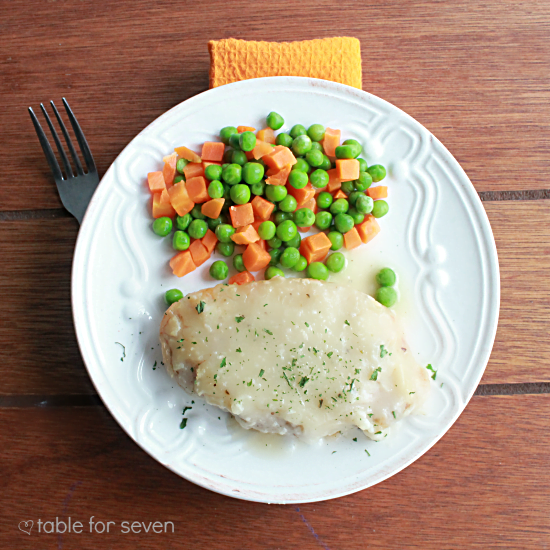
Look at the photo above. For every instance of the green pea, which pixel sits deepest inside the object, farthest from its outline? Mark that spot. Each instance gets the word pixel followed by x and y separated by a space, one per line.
pixel 364 204
pixel 289 257
pixel 301 145
pixel 324 199
pixel 288 204
pixel 180 240
pixel 226 249
pixel 232 174
pixel 275 193
pixel 364 181
pixel 238 157
pixel 323 220
pixel 226 133
pixel 286 230
pixel 356 144
pixel 213 223
pixel 219 270
pixel 267 230
pixel 275 120
pixel 273 271
pixel 247 141
pixel 253 172
pixel 275 242
pixel 301 165
pixel 235 142
pixel 316 132
pixel 380 208
pixel 319 178
pixel 227 156
pixel 356 215
pixel 181 164
pixel 215 189
pixel 240 193
pixel 298 179
pixel 317 270
pixel 326 164
pixel 301 264
pixel 224 232
pixel 339 206
pixel 377 171
pixel 316 146
pixel 363 166
pixel 295 241
pixel 197 229
pixel 386 277
pixel 177 179
pixel 352 199
pixel 275 254
pixel 297 130
pixel 182 222
pixel 238 263
pixel 335 262
pixel 280 217
pixel 314 158
pixel 386 295
pixel 227 193
pixel 258 188
pixel 283 139
pixel 343 223
pixel 304 217
pixel 346 152
pixel 162 226
pixel 348 187
pixel 172 296
pixel 337 240
pixel 213 172
pixel 196 213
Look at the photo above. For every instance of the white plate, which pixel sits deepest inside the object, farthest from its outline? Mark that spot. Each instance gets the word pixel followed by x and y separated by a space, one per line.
pixel 436 235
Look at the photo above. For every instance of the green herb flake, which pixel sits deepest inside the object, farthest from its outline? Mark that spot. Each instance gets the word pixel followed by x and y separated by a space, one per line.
pixel 374 375
pixel 430 368
pixel 123 351
pixel 329 354
pixel 239 350
pixel 223 363
pixel 183 423
pixel 383 351
pixel 393 412
pixel 304 381
pixel 355 439
pixel 200 306
pixel 367 452
pixel 268 332
pixel 262 373
pixel 347 323
pixel 239 318
pixel 249 383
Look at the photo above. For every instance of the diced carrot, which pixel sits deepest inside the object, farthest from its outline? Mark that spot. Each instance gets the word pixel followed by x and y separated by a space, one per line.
pixel 187 154
pixel 304 229
pixel 169 170
pixel 245 235
pixel 206 163
pixel 331 141
pixel 196 187
pixel 267 135
pixel 368 229
pixel 301 195
pixel 255 257
pixel 378 192
pixel 199 252
pixel 209 241
pixel 249 154
pixel 241 129
pixel 347 169
pixel 212 208
pixel 262 148
pixel 257 223
pixel 279 177
pixel 262 208
pixel 213 151
pixel 280 156
pixel 315 248
pixel 334 182
pixel 182 263
pixel 352 239
pixel 179 197
pixel 311 204
pixel 339 195
pixel 156 182
pixel 320 190
pixel 241 278
pixel 241 215
pixel 162 206
pixel 262 243
pixel 193 170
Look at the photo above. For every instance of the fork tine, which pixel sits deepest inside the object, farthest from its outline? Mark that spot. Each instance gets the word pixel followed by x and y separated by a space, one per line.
pixel 50 157
pixel 66 163
pixel 86 153
pixel 70 145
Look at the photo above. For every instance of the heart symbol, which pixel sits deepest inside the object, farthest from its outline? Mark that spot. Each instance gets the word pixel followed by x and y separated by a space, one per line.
pixel 26 526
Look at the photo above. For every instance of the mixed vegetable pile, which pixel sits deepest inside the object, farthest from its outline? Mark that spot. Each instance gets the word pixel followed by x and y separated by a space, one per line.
pixel 261 190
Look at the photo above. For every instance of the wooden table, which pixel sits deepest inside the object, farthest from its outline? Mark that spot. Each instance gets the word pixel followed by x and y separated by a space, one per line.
pixel 475 73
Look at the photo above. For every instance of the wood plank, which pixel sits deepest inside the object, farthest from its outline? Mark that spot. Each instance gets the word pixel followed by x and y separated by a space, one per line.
pixel 475 74
pixel 481 486
pixel 39 353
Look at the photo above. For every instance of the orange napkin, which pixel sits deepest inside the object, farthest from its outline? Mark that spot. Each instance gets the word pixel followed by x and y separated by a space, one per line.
pixel 337 59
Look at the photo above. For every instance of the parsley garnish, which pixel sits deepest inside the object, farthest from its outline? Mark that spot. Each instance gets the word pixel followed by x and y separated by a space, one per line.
pixel 186 409
pixel 354 439
pixel 200 306
pixel 183 423
pixel 306 324
pixel 239 350
pixel 346 321
pixel 429 367
pixel 374 375
pixel 268 332
pixel 239 319
pixel 304 381
pixel 377 433
pixel 249 383
pixel 393 412
pixel 123 351
pixel 383 351
pixel 329 354
pixel 262 373
pixel 367 452
pixel 223 363
pixel 320 403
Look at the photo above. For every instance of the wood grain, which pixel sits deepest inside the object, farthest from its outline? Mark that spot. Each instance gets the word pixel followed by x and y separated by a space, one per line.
pixel 39 353
pixel 474 74
pixel 484 485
